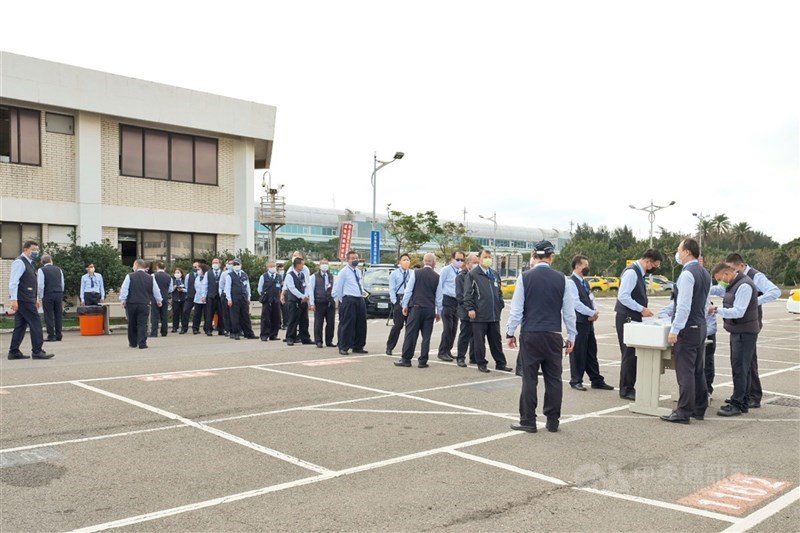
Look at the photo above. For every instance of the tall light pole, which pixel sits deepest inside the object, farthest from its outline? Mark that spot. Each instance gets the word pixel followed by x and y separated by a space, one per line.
pixel 379 165
pixel 493 218
pixel 273 212
pixel 651 210
pixel 702 218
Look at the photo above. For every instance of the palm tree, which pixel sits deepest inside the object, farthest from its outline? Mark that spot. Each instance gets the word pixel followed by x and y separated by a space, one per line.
pixel 742 234
pixel 722 224
pixel 704 229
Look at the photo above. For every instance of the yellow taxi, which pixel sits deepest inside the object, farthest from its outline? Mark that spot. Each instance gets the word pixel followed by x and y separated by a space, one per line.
pixel 596 283
pixel 793 302
pixel 613 283
pixel 507 286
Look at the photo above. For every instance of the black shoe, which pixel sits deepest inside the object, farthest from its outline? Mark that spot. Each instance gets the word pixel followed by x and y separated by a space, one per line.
pixel 235 337
pixel 422 365
pixel 223 332
pixel 50 339
pixel 307 342
pixel 18 355
pixel 402 362
pixel 289 343
pixel 58 339
pixel 330 345
pixel 274 338
pixel 362 350
pixel 153 334
pixel 174 330
pixel 132 346
pixel 142 346
pixel 264 339
pixel 521 427
pixel 699 417
pixel 673 417
pixel 602 386
pixel 473 362
pixel 251 337
pixel 319 345
pixel 552 425
pixel 209 334
pixel 578 386
pixel 730 410
pixel 343 352
pixel 196 332
pixel 461 363
pixel 754 405
pixel 42 355
pixel 444 357
pixel 504 368
pixel 182 332
pixel 483 368
pixel 629 396
pixel 388 352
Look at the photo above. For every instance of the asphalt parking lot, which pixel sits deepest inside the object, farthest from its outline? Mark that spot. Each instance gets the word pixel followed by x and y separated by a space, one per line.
pixel 210 434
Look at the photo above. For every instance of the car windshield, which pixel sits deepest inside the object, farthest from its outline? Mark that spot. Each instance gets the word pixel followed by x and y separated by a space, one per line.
pixel 377 277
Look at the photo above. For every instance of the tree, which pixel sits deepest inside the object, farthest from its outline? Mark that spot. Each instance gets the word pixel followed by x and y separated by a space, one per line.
pixel 622 238
pixel 411 231
pixel 449 237
pixel 704 229
pixel 72 259
pixel 741 234
pixel 722 224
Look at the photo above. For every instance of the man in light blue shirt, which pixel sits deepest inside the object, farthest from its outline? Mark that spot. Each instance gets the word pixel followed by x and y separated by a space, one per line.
pixel 348 291
pixel 25 303
pixel 51 292
pixel 398 281
pixel 447 287
pixel 93 291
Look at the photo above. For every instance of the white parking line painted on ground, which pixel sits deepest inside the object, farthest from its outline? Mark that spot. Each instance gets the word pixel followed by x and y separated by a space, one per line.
pixel 208 429
pixel 510 468
pixel 765 512
pixel 780 394
pixel 89 439
pixel 389 411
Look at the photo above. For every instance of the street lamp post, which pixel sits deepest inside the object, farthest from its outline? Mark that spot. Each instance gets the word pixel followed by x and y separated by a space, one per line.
pixel 701 217
pixel 272 213
pixel 493 218
pixel 651 210
pixel 379 165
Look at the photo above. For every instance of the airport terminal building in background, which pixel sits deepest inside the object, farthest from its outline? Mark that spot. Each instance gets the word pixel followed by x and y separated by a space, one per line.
pixel 159 171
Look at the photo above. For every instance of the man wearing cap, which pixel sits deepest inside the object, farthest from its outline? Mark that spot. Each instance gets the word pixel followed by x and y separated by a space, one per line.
pixel 237 290
pixel 447 286
pixel 631 307
pixel 483 300
pixel 347 290
pixel 543 298
pixel 583 358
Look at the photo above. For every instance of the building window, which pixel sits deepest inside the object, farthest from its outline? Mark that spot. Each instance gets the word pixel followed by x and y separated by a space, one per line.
pixel 163 245
pixel 13 234
pixel 20 136
pixel 146 153
pixel 60 235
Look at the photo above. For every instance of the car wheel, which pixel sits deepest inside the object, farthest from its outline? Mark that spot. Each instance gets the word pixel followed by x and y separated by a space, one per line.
pixel 597 289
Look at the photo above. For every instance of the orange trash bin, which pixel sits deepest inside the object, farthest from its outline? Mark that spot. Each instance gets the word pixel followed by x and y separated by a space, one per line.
pixel 91 319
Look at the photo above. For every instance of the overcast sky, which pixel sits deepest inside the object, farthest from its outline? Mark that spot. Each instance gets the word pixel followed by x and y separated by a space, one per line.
pixel 546 112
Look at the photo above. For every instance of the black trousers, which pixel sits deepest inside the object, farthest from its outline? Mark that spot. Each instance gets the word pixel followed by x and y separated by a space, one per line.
pixel 199 313
pixel 53 306
pixel 449 325
pixel 240 319
pixel 137 324
pixel 627 367
pixel 420 320
pixel 352 323
pixel 214 305
pixel 179 319
pixel 708 367
pixel 324 312
pixel 743 348
pixel 754 391
pixel 292 309
pixel 540 350
pixel 303 324
pixel 158 315
pixel 91 298
pixel 27 316
pixel 188 305
pixel 270 319
pixel 465 341
pixel 583 358
pixel 399 320
pixel 226 312
pixel 689 358
pixel 481 331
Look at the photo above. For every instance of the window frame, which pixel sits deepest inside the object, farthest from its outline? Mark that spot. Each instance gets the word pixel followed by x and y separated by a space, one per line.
pixel 21 237
pixel 194 138
pixel 16 110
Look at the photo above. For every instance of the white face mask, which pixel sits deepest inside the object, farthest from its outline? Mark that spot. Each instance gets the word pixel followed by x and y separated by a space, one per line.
pixel 272 270
pixel 678 258
pixel 215 266
pixel 324 268
pixel 178 275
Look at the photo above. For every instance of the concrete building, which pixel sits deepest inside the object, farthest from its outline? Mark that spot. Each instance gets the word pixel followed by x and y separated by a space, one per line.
pixel 162 172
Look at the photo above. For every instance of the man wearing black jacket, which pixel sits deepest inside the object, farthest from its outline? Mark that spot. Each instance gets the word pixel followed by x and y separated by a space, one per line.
pixel 483 301
pixel 465 332
pixel 190 292
pixel 214 301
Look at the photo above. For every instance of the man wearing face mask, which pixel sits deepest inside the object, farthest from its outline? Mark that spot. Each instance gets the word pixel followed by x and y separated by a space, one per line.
pixel 296 297
pixel 447 286
pixel 92 290
pixel 321 303
pixel 688 334
pixel 237 290
pixel 214 301
pixel 583 358
pixel 158 313
pixel 398 281
pixel 422 304
pixel 483 300
pixel 269 291
pixel 631 307
pixel 23 291
pixel 739 314
pixel 303 334
pixel 348 291
pixel 465 332
pixel 190 294
pixel 135 295
pixel 226 311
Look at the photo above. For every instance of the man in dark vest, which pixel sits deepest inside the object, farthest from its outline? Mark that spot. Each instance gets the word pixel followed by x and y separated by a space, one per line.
pixel 269 294
pixel 464 344
pixel 138 289
pixel 23 291
pixel 422 304
pixel 237 290
pixel 543 298
pixel 51 292
pixel 631 307
pixel 688 334
pixel 190 293
pixel 321 302
pixel 158 313
pixel 295 292
pixel 767 292
pixel 739 314
pixel 214 301
pixel 583 358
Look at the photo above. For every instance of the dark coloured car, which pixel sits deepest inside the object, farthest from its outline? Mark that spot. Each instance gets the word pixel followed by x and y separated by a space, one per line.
pixel 376 291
